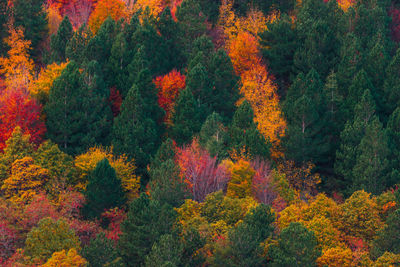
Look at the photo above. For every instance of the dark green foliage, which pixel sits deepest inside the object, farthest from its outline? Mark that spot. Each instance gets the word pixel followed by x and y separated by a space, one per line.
pixel 243 133
pixel 166 185
pixel 388 237
pixel 192 242
pixel 59 41
pixel 392 85
pixel 166 252
pixel 296 247
pixel 100 251
pixel 243 6
pixel 134 131
pixel 350 138
pixel 3 27
pixel 165 152
pixel 147 220
pixel 186 118
pixel 280 42
pixel 371 168
pixel 393 131
pixel 31 15
pixel 76 47
pixel 244 247
pixel 305 110
pixel 104 190
pixel 213 136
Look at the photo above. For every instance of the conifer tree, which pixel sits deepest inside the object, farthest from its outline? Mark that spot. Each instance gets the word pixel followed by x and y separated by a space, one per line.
pixel 76 47
pixel 393 132
pixel 104 190
pixel 186 118
pixel 166 252
pixel 59 41
pixel 134 131
pixel 243 133
pixel 118 63
pixel 305 110
pixel 100 251
pixel 147 220
pixel 392 85
pixel 213 136
pixel 371 169
pixel 387 237
pixel 350 138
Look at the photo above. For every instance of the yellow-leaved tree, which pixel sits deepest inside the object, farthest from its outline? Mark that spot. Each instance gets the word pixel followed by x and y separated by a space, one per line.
pixel 104 9
pixel 63 258
pixel 17 67
pixel 26 180
pixel 124 168
pixel 242 175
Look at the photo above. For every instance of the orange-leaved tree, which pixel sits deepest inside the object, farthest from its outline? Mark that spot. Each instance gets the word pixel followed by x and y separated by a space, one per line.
pixel 169 87
pixel 155 6
pixel 104 9
pixel 17 67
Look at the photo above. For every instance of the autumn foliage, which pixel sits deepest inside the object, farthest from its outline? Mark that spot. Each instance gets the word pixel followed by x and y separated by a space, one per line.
pixel 104 9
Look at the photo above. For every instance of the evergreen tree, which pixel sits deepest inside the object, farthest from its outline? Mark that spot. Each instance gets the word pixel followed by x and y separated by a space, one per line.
pixel 198 83
pixel 100 251
pixel 134 131
pixel 371 168
pixel 147 220
pixel 59 41
pixel 165 152
pixel 118 63
pixel 387 238
pixel 351 137
pixel 76 47
pixel 376 61
pixel 104 190
pixel 296 247
pixel 305 110
pixel 243 133
pixel 186 118
pixel 213 136
pixel 31 15
pixel 280 43
pixel 393 131
pixel 392 85
pixel 3 28
pixel 166 252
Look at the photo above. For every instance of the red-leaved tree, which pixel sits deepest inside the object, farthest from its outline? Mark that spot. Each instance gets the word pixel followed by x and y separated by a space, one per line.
pixel 263 189
pixel 17 108
pixel 201 172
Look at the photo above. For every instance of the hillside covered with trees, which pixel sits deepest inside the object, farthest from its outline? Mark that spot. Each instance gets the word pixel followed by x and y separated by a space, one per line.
pixel 199 133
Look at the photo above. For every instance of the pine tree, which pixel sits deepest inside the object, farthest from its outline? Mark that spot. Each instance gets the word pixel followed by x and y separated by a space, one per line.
pixel 243 133
pixel 371 169
pixel 305 109
pixel 100 251
pixel 31 15
pixel 75 49
pixel 186 118
pixel 393 131
pixel 147 220
pixel 351 137
pixel 59 41
pixel 387 238
pixel 166 252
pixel 3 29
pixel 104 190
pixel 392 85
pixel 213 136
pixel 134 131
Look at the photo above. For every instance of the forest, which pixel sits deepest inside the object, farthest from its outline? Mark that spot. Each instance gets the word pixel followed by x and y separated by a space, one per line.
pixel 174 133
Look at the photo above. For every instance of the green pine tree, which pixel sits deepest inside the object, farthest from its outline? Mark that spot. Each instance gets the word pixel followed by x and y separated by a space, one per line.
pixel 166 252
pixel 213 136
pixel 393 131
pixel 391 86
pixel 100 251
pixel 104 190
pixel 58 42
pixel 387 238
pixel 76 47
pixel 243 133
pixel 147 220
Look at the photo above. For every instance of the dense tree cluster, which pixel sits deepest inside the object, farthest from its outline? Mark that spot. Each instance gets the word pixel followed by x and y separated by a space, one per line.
pixel 199 133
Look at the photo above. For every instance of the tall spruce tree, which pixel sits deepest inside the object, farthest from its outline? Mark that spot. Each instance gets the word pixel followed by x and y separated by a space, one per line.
pixel 104 190
pixel 387 237
pixel 393 132
pixel 243 133
pixel 350 138
pixel 58 42
pixel 305 110
pixel 3 28
pixel 213 136
pixel 391 86
pixel 147 220
pixel 76 47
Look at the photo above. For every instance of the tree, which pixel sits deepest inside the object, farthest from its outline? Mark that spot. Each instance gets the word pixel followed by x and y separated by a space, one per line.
pixel 18 109
pixel 25 181
pixel 76 47
pixel 305 111
pixel 40 88
pixel 100 251
pixel 166 252
pixel 104 9
pixel 17 68
pixel 372 167
pixel 59 41
pixel 186 118
pixel 337 256
pixel 48 237
pixel 385 240
pixel 296 247
pixel 393 133
pixel 169 87
pixel 213 136
pixel 391 84
pixel 66 258
pixel 244 134
pixel 147 220
pixel 32 17
pixel 104 190
pixel 3 20
pixel 240 183
pixel 134 132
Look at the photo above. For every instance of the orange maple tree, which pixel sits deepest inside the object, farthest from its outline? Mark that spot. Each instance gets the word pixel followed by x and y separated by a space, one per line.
pixel 169 87
pixel 104 9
